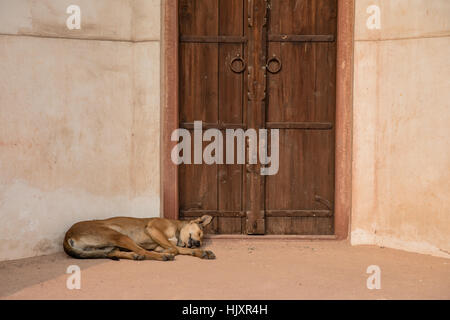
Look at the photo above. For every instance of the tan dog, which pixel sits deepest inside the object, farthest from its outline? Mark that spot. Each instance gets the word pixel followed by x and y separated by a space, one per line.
pixel 136 239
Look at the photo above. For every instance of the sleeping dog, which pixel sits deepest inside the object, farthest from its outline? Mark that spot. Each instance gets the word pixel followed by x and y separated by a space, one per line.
pixel 136 239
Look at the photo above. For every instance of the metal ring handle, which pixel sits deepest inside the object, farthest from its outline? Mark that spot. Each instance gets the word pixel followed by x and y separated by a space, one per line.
pixel 232 63
pixel 273 59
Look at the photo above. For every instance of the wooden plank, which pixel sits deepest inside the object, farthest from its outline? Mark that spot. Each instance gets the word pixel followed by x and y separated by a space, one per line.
pixel 169 110
pixel 344 118
pixel 231 109
pixel 299 213
pixel 257 38
pixel 210 125
pixel 269 213
pixel 301 38
pixel 214 213
pixel 213 39
pixel 269 237
pixel 300 125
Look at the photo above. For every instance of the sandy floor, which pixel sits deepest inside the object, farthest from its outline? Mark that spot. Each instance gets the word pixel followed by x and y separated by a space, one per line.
pixel 244 269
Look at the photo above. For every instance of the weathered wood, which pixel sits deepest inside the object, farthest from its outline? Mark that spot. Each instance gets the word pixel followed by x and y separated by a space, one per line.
pixel 301 38
pixel 300 125
pixel 257 42
pixel 268 213
pixel 212 33
pixel 220 126
pixel 344 117
pixel 301 104
pixel 213 39
pixel 299 213
pixel 169 110
pixel 299 100
pixel 214 213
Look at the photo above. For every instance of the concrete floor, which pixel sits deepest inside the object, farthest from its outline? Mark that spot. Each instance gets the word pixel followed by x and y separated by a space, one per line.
pixel 244 269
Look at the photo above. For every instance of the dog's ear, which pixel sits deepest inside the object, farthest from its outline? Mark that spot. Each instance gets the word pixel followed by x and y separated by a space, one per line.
pixel 203 221
pixel 206 219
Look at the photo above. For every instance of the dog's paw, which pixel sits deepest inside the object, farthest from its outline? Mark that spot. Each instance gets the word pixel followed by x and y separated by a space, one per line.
pixel 168 257
pixel 206 254
pixel 138 257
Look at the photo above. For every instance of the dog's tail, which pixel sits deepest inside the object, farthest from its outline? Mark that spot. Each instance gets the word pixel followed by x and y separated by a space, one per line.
pixel 71 248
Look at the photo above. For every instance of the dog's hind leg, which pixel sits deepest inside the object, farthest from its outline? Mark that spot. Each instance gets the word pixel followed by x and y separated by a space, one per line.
pixel 125 242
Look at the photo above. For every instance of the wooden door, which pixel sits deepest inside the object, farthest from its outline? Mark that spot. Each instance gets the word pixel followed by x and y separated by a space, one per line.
pixel 260 64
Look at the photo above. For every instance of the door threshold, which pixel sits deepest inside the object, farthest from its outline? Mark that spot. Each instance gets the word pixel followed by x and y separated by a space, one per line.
pixel 270 237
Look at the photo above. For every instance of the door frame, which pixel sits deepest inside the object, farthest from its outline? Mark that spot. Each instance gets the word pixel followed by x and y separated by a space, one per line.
pixel 344 114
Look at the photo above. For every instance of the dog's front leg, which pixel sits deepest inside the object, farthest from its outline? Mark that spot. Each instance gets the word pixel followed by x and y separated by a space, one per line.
pixel 199 253
pixel 168 247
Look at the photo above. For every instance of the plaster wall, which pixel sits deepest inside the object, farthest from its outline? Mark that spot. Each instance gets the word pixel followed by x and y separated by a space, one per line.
pixel 401 145
pixel 79 118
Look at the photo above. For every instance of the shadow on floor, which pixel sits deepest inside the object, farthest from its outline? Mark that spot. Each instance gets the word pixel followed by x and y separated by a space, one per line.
pixel 43 268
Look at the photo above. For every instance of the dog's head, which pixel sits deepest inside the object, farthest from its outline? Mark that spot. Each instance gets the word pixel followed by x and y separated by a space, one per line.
pixel 191 235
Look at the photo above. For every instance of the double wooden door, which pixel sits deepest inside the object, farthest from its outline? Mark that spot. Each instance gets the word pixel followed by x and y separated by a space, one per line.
pixel 261 64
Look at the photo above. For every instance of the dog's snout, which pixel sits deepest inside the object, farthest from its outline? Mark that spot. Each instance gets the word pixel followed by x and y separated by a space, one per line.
pixel 196 243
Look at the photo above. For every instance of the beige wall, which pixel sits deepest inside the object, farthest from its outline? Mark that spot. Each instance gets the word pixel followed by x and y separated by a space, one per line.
pixel 79 120
pixel 401 159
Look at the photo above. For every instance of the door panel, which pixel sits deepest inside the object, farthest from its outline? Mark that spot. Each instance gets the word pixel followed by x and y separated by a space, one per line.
pixel 198 185
pixel 198 17
pixel 305 176
pixel 307 92
pixel 303 17
pixel 199 82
